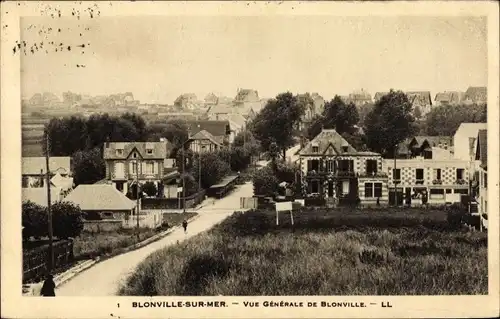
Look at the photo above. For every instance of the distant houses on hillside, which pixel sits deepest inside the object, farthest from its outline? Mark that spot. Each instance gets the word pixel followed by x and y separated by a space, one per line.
pixel 422 100
pixel 358 98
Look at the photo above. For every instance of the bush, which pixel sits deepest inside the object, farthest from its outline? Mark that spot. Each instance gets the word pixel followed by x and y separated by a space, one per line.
pixel 150 189
pixel 240 158
pixel 214 167
pixel 67 220
pixel 264 182
pixel 34 220
pixel 286 173
pixel 190 183
pixel 456 214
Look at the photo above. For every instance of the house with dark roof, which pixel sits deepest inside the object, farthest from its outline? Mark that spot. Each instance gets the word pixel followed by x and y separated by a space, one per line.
pixel 424 146
pixel 187 101
pixel 246 95
pixel 421 100
pixel 449 98
pixel 127 162
pixel 203 142
pixel 476 94
pixel 481 155
pixel 336 173
pixel 220 112
pixel 220 130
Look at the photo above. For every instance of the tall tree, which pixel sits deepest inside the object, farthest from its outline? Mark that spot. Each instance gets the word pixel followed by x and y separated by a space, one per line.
pixel 88 166
pixel 315 127
pixel 340 116
pixel 389 123
pixel 139 124
pixel 445 120
pixel 278 121
pixel 66 135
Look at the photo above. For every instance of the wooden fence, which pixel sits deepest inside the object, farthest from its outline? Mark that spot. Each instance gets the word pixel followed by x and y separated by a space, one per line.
pixel 35 261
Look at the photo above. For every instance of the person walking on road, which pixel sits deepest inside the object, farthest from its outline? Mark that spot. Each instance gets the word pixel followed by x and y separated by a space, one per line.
pixel 185 225
pixel 48 288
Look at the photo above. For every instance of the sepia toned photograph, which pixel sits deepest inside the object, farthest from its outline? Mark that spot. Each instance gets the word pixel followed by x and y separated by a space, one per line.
pixel 253 155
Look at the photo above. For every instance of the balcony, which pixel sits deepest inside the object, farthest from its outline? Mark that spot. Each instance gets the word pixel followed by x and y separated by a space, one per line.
pixel 345 174
pixel 420 181
pixel 373 174
pixel 460 182
pixel 338 174
pixel 437 182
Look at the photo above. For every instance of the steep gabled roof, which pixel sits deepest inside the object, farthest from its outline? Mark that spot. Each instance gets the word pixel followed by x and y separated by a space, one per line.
pixel 477 93
pixel 220 109
pixel 434 140
pixel 99 197
pixel 482 148
pixel 324 140
pixel 423 97
pixel 204 135
pixel 246 95
pixel 449 97
pixel 161 150
pixel 216 128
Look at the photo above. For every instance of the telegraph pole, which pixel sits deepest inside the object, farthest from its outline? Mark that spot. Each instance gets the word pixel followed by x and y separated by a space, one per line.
pixel 394 178
pixel 137 195
pixel 49 208
pixel 199 165
pixel 183 180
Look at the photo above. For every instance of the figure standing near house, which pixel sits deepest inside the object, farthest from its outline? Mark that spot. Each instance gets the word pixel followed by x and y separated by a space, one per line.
pixel 185 225
pixel 48 288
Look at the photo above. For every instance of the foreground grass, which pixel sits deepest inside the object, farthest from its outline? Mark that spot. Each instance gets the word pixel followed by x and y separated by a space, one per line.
pixel 248 255
pixel 89 245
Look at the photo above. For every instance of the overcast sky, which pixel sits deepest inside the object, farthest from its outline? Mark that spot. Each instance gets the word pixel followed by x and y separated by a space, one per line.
pixel 158 58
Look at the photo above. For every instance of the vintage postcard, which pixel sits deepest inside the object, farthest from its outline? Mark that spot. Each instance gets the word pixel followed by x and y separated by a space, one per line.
pixel 249 159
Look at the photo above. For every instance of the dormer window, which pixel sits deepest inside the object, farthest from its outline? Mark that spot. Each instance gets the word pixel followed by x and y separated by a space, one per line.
pixel 315 149
pixel 149 151
pixel 119 152
pixel 134 155
pixel 345 149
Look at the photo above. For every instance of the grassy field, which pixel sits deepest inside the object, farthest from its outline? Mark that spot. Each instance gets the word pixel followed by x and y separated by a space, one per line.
pixel 373 252
pixel 89 245
pixel 32 135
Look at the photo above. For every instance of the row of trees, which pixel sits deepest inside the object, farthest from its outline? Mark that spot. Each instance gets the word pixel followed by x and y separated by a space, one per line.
pixel 378 127
pixel 210 168
pixel 66 220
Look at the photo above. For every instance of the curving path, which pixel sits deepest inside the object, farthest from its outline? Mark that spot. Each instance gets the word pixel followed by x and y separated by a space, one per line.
pixel 105 278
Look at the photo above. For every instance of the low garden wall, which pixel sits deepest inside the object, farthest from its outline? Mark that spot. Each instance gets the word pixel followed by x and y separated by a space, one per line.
pixel 97 226
pixel 173 203
pixel 149 220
